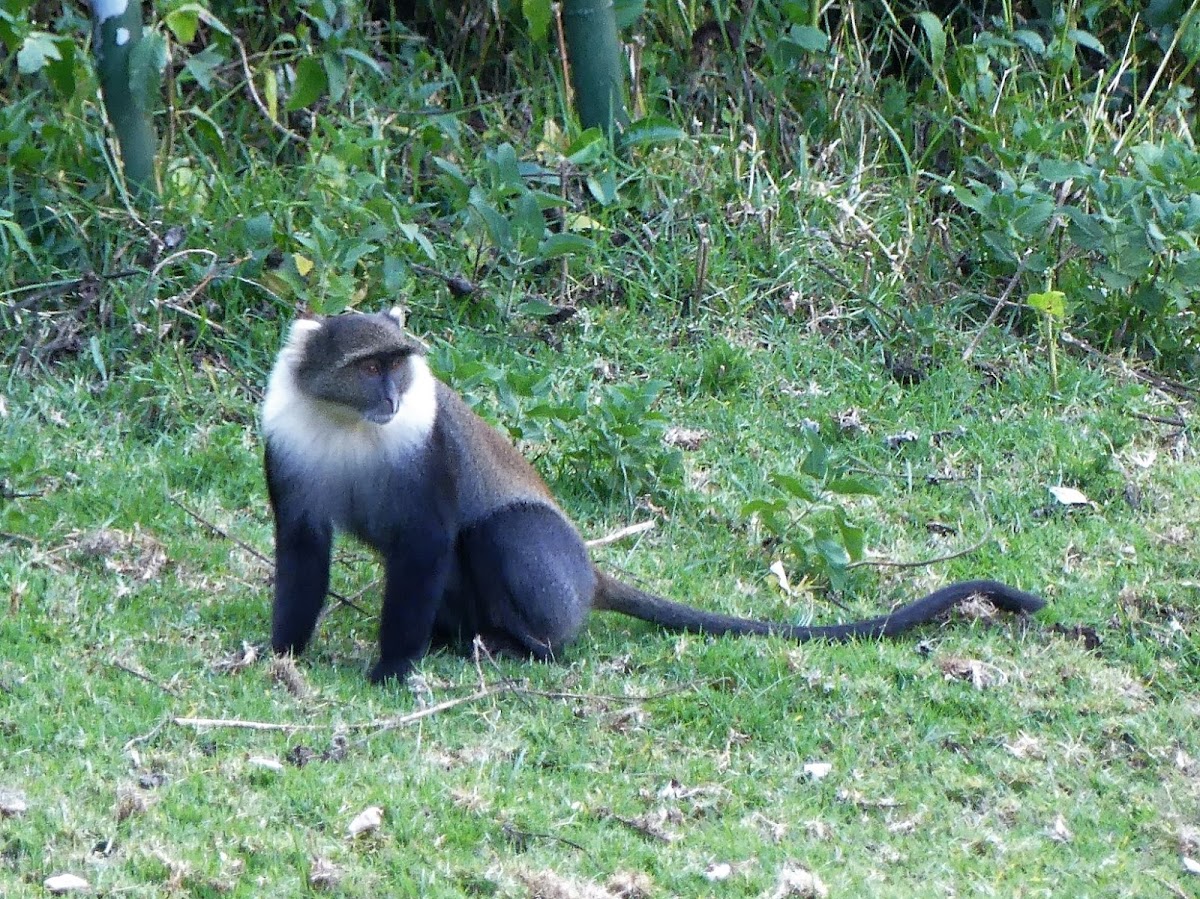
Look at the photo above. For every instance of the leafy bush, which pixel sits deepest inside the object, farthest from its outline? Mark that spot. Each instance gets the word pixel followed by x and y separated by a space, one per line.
pixel 807 517
pixel 1120 240
pixel 601 442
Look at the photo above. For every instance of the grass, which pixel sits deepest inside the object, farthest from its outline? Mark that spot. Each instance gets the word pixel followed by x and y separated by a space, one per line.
pixel 980 756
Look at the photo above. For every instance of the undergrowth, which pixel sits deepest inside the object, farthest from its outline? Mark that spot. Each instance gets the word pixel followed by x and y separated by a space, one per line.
pixel 872 299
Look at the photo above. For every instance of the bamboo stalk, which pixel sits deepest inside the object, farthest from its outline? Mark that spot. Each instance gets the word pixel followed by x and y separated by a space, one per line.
pixel 117 32
pixel 594 51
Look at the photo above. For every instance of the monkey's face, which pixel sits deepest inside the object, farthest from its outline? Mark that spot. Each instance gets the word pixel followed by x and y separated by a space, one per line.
pixel 363 363
pixel 382 382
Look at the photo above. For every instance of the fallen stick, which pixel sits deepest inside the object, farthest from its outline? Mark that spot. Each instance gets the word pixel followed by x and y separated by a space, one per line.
pixel 622 533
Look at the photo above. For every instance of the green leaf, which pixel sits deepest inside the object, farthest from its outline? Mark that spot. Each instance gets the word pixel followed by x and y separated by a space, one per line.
pixel 853 537
pixel 832 549
pixel 11 30
pixel 1052 303
pixel 451 169
pixel 1058 170
pixel 259 230
pixel 1031 215
pixel 203 65
pixel 537 308
pixel 98 357
pixel 816 463
pixel 537 16
pixel 1085 230
pixel 271 93
pixel 355 252
pixel 793 486
pixel 395 273
pixel 413 232
pixel 763 507
pixel 16 233
pixel 603 188
pixel 310 84
pixel 183 22
pixel 1031 41
pixel 209 19
pixel 849 486
pixel 587 147
pixel 936 35
pixel 38 50
pixel 1087 39
pixel 335 70
pixel 565 245
pixel 368 61
pixel 527 221
pixel 651 130
pixel 808 38
pixel 61 72
pixel 498 229
pixel 508 166
pixel 206 123
pixel 975 196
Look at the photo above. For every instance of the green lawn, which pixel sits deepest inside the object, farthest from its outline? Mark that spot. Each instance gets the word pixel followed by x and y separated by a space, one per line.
pixel 980 756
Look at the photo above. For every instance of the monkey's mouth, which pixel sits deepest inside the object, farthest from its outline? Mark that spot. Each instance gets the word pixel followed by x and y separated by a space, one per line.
pixel 379 416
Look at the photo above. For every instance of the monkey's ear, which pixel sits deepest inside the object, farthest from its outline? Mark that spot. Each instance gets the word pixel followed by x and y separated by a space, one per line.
pixel 396 314
pixel 301 330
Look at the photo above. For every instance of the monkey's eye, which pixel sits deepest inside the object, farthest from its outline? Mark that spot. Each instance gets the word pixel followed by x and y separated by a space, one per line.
pixel 370 368
pixel 396 363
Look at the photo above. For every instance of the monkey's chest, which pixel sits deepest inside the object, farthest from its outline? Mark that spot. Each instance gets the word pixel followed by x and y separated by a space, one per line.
pixel 381 505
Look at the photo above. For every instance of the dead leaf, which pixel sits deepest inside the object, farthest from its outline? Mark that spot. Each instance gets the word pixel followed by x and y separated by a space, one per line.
pixel 237 661
pixel 12 804
pixel 796 881
pixel 780 573
pixel 300 755
pixel 977 608
pixel 895 441
pixel 980 674
pixel 549 885
pixel 1060 833
pixel 685 438
pixel 718 871
pixel 775 831
pixel 849 421
pixel 653 824
pixel 130 802
pixel 65 883
pixel 630 885
pixel 858 798
pixel 1025 747
pixel 1143 458
pixel 285 672
pixel 817 770
pixel 1069 496
pixel 137 554
pixel 366 821
pixel 323 874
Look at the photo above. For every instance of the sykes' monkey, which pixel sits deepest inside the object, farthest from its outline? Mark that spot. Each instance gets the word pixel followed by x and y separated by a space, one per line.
pixel 361 437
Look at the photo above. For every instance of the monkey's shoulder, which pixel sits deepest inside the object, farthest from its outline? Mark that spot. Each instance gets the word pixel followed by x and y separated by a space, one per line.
pixel 489 472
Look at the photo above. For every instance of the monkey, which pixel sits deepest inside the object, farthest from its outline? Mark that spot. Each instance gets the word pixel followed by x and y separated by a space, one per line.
pixel 361 437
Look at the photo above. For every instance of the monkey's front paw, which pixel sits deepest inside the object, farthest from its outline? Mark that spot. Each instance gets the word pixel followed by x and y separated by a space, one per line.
pixel 390 669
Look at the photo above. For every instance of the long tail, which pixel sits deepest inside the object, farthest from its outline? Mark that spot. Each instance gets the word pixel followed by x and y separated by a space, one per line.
pixel 614 596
